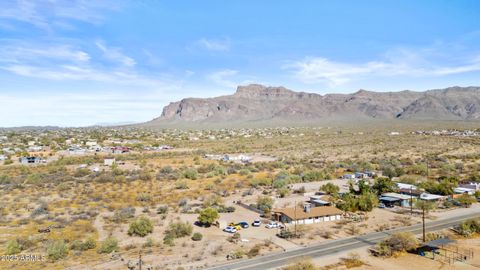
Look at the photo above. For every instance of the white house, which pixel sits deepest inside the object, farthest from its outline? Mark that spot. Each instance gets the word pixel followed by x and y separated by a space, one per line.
pixel 31 160
pixel 470 185
pixel 307 215
pixel 406 186
pixel 431 197
pixel 461 190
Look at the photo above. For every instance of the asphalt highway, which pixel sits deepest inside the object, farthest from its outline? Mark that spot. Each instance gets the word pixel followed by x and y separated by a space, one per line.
pixel 275 260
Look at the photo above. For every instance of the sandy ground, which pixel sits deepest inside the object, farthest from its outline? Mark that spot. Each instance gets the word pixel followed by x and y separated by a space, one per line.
pixel 212 250
pixel 315 186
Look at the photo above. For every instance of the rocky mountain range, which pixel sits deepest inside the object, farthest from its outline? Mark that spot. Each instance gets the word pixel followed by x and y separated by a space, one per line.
pixel 257 103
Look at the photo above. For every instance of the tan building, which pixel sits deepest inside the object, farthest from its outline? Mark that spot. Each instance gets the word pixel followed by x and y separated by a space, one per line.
pixel 307 214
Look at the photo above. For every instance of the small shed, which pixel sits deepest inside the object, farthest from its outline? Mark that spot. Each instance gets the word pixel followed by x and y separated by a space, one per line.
pixel 109 161
pixel 391 199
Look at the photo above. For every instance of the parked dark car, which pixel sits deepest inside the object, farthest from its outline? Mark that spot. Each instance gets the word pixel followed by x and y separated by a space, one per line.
pixel 243 224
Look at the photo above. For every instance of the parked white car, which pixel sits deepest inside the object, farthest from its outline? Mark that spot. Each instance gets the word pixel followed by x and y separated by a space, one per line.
pixel 230 229
pixel 274 225
pixel 256 223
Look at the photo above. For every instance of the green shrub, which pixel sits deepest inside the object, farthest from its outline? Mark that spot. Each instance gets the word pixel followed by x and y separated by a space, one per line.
pixel 283 192
pixel 161 210
pixel 13 247
pixel 264 203
pixel 123 214
pixel 301 264
pixel 181 184
pixel 190 173
pixel 180 229
pixel 197 236
pixel 177 230
pixel 109 245
pixel 149 242
pixel 144 197
pixel 398 242
pixel 330 188
pixel 140 227
pixel 254 251
pixel 469 227
pixel 79 245
pixel 169 240
pixel 466 200
pixel 57 250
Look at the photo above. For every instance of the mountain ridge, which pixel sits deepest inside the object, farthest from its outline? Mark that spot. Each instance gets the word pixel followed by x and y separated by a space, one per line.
pixel 259 103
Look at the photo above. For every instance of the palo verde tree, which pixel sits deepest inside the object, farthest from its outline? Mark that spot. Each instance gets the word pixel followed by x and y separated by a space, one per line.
pixel 383 185
pixel 208 216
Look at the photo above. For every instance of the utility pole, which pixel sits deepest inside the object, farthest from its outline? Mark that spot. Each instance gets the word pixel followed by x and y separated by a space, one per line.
pixel 140 260
pixel 411 201
pixel 423 222
pixel 295 217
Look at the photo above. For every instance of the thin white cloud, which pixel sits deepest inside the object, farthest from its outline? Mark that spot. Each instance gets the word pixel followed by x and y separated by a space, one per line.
pixel 46 14
pixel 399 62
pixel 63 62
pixel 76 73
pixel 115 54
pixel 223 77
pixel 20 52
pixel 214 44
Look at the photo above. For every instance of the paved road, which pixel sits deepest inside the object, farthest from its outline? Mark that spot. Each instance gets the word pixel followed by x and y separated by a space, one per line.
pixel 335 246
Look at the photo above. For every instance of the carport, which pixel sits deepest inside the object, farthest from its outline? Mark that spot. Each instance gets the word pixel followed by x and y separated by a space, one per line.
pixel 390 201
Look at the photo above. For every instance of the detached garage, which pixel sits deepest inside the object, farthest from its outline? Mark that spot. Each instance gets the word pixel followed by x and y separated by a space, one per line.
pixel 307 215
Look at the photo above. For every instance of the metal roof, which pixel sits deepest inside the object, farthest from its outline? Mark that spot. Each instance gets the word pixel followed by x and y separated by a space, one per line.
pixel 389 199
pixel 439 242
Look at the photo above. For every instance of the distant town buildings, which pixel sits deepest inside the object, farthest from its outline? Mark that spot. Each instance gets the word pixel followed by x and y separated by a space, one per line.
pixel 31 160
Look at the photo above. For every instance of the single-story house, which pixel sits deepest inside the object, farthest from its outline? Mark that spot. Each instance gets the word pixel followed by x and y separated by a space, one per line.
pixel 348 176
pixel 307 215
pixel 76 151
pixel 406 186
pixel 120 149
pixel 361 175
pixel 431 197
pixel 392 198
pixel 414 192
pixel 35 148
pixel 471 185
pixel 320 200
pixel 31 160
pixel 461 190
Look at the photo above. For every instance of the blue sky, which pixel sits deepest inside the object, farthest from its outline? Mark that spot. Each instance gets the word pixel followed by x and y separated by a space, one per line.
pixel 78 63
